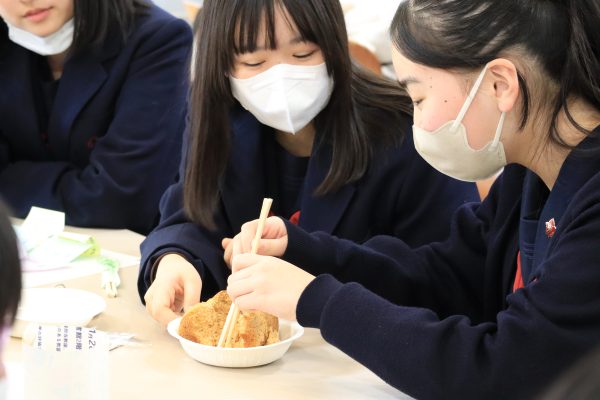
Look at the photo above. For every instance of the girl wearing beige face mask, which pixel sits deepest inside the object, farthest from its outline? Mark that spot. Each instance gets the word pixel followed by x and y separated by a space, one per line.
pixel 510 298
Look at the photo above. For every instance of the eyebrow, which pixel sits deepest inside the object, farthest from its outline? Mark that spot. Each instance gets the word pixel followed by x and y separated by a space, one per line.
pixel 296 40
pixel 410 80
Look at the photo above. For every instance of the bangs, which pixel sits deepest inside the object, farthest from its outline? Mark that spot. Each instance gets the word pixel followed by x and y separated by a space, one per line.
pixel 255 15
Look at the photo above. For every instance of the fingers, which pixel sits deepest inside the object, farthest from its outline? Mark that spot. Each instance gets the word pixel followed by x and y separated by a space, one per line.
pixel 266 247
pixel 236 248
pixel 244 288
pixel 148 299
pixel 250 301
pixel 243 261
pixel 246 236
pixel 227 244
pixel 164 316
pixel 272 247
pixel 158 304
pixel 177 285
pixel 274 228
pixel 243 284
pixel 191 292
pixel 267 284
pixel 272 243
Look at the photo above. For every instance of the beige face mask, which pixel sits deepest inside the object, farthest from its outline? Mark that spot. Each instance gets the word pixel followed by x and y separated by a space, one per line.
pixel 447 148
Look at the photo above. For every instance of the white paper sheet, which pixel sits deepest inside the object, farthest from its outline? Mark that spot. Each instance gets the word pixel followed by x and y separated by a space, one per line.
pixel 76 269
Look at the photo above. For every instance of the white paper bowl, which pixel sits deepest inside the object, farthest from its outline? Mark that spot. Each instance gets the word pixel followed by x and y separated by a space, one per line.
pixel 56 306
pixel 239 357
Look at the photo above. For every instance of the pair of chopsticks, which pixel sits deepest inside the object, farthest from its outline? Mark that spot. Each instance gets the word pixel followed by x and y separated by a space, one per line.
pixel 227 333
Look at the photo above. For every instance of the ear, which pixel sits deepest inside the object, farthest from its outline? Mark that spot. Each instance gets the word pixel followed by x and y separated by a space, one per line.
pixel 506 83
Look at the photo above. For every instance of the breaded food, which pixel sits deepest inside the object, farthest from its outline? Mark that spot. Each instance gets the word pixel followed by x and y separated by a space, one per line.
pixel 204 322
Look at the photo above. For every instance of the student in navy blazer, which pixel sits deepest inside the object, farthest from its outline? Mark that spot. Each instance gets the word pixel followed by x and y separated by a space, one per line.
pixel 512 298
pixel 394 193
pixel 95 130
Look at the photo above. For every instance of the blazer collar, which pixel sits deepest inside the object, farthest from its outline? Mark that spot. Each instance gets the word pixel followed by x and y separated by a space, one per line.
pixel 82 77
pixel 322 213
pixel 244 185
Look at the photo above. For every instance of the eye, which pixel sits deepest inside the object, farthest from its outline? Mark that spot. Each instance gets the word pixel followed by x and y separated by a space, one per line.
pixel 305 55
pixel 416 103
pixel 252 65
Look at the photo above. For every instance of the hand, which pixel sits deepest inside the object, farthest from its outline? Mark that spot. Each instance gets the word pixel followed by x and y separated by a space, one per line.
pixel 273 242
pixel 177 286
pixel 227 244
pixel 267 284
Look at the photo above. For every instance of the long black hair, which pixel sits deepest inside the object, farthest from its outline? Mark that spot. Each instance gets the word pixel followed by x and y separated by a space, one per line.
pixel 363 111
pixel 561 37
pixel 95 20
pixel 10 271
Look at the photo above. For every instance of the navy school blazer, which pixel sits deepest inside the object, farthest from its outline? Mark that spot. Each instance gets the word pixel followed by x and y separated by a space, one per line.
pixel 442 321
pixel 400 195
pixel 114 135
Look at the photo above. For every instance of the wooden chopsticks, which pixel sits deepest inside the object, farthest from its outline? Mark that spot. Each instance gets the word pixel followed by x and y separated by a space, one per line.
pixel 227 333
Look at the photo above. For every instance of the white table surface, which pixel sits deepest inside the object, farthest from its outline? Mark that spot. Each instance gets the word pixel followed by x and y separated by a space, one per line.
pixel 157 368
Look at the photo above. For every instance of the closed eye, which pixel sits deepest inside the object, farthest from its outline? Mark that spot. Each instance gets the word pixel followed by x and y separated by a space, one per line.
pixel 251 65
pixel 306 55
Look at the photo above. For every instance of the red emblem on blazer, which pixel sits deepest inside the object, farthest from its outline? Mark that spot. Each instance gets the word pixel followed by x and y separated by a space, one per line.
pixel 91 142
pixel 550 228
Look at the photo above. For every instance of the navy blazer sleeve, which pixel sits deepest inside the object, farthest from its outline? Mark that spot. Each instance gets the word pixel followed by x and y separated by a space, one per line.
pixel 389 267
pixel 176 234
pixel 127 171
pixel 415 323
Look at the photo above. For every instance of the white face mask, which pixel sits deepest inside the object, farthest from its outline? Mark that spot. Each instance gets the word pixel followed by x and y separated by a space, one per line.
pixel 53 44
pixel 447 148
pixel 285 97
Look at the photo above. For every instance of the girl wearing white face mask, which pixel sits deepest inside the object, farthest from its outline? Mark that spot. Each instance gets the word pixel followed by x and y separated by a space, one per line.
pixel 279 111
pixel 511 298
pixel 92 108
pixel 10 287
